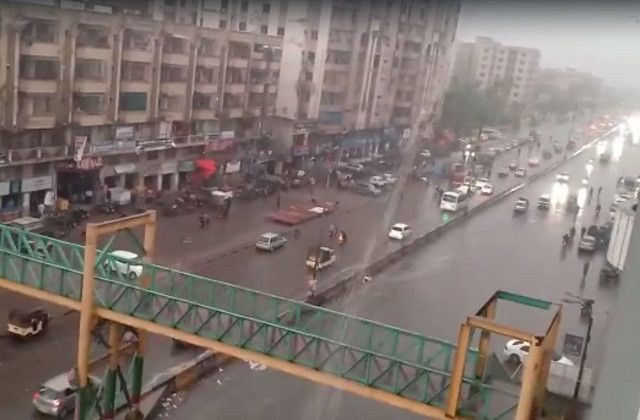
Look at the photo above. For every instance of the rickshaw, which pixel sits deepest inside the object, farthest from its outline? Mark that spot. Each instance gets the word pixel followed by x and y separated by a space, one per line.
pixel 27 324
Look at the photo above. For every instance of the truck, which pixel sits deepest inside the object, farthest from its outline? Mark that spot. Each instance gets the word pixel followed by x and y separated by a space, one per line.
pixel 620 236
pixel 456 175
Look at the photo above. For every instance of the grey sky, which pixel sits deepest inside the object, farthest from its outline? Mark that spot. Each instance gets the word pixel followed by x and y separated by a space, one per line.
pixel 598 37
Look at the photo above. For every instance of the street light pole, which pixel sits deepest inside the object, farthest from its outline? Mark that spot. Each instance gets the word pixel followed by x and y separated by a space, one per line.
pixel 586 305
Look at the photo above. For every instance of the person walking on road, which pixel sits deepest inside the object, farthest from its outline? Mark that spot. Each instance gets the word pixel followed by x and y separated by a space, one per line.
pixel 278 202
pixel 583 230
pixel 332 230
pixel 585 270
pixel 599 192
pixel 311 287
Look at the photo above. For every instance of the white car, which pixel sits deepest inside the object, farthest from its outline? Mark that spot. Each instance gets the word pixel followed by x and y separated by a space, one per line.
pixel 534 161
pixel 521 172
pixel 587 243
pixel 126 265
pixel 516 351
pixel 487 189
pixel 621 198
pixel 563 177
pixel 400 231
pixel 481 182
pixel 425 153
pixel 390 179
pixel 378 181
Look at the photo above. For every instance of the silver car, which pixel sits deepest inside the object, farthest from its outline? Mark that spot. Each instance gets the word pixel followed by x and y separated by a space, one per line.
pixel 270 241
pixel 57 397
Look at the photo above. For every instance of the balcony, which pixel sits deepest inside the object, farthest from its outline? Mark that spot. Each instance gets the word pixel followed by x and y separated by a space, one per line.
pixel 208 61
pixel 90 86
pixel 38 154
pixel 232 113
pixel 259 64
pixel 96 53
pixel 175 59
pixel 204 114
pixel 37 122
pixel 86 120
pixel 238 62
pixel 38 86
pixel 173 88
pixel 192 140
pixel 172 114
pixel 401 120
pixel 128 86
pixel 336 67
pixel 137 56
pixel 235 88
pixel 133 117
pixel 206 88
pixel 40 49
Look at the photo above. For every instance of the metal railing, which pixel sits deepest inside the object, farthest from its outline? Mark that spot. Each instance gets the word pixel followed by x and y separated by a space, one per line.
pixel 14 156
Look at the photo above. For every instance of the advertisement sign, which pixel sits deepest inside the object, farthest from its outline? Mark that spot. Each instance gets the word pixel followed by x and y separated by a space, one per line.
pixel 304 127
pixel 86 164
pixel 232 167
pixel 158 144
pixel 572 345
pixel 125 133
pixel 228 135
pixel 127 168
pixel 37 183
pixel 80 143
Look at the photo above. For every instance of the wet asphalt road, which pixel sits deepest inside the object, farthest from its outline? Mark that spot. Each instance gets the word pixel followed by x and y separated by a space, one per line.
pixel 281 273
pixel 436 288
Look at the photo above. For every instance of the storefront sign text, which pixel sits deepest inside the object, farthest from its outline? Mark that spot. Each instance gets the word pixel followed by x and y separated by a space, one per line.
pixel 228 135
pixel 125 133
pixel 124 146
pixel 158 144
pixel 37 184
pixel 232 167
pixel 304 127
pixel 86 164
pixel 127 168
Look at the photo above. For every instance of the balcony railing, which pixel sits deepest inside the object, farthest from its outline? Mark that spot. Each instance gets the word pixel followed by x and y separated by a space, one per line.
pixel 16 156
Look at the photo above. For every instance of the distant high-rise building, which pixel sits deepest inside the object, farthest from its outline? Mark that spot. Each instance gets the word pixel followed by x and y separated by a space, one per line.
pixel 487 63
pixel 132 93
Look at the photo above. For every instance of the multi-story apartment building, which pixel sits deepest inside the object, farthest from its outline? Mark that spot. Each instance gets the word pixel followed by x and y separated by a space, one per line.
pixel 487 63
pixel 136 94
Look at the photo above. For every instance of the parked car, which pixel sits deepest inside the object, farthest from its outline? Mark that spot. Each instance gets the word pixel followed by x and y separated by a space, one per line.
pixel 521 172
pixel 378 181
pixel 513 165
pixel 517 350
pixel 481 182
pixel 128 267
pixel 487 189
pixel 390 179
pixel 587 243
pixel 400 231
pixel 534 161
pixel 503 172
pixel 365 188
pixel 57 397
pixel 270 241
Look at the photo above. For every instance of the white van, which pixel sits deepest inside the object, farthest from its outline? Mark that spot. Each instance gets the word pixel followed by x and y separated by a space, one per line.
pixel 453 201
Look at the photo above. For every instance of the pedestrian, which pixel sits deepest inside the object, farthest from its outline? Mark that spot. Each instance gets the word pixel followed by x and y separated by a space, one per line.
pixel 489 173
pixel 332 230
pixel 278 202
pixel 585 269
pixel 201 218
pixel 599 191
pixel 342 237
pixel 583 230
pixel 206 220
pixel 311 287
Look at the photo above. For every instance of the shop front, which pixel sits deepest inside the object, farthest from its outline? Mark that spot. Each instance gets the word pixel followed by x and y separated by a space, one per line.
pixel 34 192
pixel 126 176
pixel 79 181
pixel 10 200
pixel 359 144
pixel 185 168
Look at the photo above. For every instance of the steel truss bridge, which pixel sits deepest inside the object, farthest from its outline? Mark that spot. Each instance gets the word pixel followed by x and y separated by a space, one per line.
pixel 422 374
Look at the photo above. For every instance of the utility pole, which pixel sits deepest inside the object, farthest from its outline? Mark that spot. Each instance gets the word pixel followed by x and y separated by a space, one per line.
pixel 586 309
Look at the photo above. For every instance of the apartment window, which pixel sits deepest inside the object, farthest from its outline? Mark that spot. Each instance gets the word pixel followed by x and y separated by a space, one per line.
pixel 38 69
pixel 311 56
pixel 206 74
pixel 222 24
pixel 173 73
pixel 134 71
pixel 208 48
pixel 201 101
pixel 91 104
pixel 281 31
pixel 314 35
pixel 44 31
pixel 224 4
pixel 264 29
pixel 152 155
pixel 175 45
pixel 266 8
pixel 92 36
pixel 133 101
pixel 242 26
pixel 171 103
pixel 244 6
pixel 137 41
pixel 42 105
pixel 88 69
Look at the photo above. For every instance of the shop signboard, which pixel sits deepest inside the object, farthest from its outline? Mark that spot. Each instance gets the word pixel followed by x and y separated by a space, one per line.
pixel 186 166
pixel 219 145
pixel 5 188
pixel 304 127
pixel 80 143
pixel 228 135
pixel 127 168
pixel 232 167
pixel 118 146
pixel 37 183
pixel 211 136
pixel 86 164
pixel 126 132
pixel 169 167
pixel 157 144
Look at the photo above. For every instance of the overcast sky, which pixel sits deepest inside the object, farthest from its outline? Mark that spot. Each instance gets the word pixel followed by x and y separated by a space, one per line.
pixel 600 37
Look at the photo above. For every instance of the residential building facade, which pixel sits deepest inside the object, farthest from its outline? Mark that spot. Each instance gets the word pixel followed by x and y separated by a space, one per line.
pixel 487 63
pixel 131 94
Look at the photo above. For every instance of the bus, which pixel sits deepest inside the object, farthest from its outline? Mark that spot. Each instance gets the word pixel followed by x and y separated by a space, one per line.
pixel 453 201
